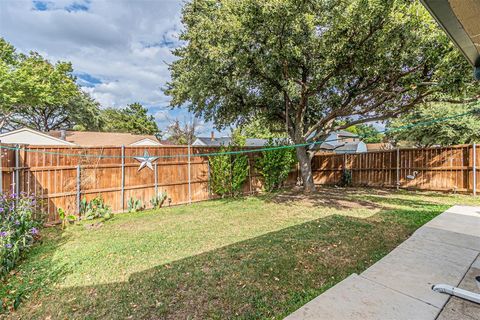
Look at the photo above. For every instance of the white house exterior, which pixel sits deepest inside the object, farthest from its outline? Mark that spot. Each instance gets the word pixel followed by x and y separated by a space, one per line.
pixel 114 139
pixel 31 137
pixel 78 138
pixel 146 142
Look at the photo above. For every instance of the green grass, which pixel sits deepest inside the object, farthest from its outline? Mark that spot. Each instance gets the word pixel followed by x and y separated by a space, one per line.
pixel 250 258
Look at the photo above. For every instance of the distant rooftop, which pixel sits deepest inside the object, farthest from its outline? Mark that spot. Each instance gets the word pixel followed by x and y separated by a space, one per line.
pixel 92 139
pixel 344 133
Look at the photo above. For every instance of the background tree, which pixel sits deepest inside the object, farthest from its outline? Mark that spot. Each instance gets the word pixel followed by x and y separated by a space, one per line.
pixel 367 132
pixel 465 129
pixel 10 94
pixel 261 128
pixel 47 89
pixel 309 64
pixel 81 113
pixel 133 119
pixel 182 133
pixel 84 114
pixel 38 94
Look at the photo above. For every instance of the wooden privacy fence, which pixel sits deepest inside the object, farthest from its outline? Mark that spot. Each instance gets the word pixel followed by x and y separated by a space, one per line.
pixel 64 175
pixel 452 168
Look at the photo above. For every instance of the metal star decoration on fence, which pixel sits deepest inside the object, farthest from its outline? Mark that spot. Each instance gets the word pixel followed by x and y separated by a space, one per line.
pixel 146 161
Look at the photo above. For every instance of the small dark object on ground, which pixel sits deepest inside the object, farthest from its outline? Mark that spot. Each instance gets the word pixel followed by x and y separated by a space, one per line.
pixel 94 226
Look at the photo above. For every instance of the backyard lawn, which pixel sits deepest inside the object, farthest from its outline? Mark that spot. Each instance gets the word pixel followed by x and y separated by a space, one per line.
pixel 249 258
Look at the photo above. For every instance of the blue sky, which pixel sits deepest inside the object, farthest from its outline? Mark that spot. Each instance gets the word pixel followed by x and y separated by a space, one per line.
pixel 120 49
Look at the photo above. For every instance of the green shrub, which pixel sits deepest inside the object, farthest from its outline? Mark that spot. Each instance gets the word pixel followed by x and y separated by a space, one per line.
pixel 95 208
pixel 346 178
pixel 134 205
pixel 228 172
pixel 275 165
pixel 19 228
pixel 158 200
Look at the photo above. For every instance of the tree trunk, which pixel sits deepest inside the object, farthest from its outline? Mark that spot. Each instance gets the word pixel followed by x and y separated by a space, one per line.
pixel 305 169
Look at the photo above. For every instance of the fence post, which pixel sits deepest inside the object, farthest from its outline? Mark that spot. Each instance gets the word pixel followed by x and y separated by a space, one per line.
pixel 78 188
pixel 208 179
pixel 189 178
pixel 156 178
pixel 398 168
pixel 249 175
pixel 123 179
pixel 17 170
pixel 474 169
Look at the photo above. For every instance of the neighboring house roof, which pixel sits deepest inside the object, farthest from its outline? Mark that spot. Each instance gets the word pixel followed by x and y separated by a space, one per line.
pixel 325 146
pixel 340 137
pixel 225 141
pixel 340 148
pixel 337 139
pixel 213 142
pixel 31 137
pixel 92 139
pixel 343 133
pixel 351 147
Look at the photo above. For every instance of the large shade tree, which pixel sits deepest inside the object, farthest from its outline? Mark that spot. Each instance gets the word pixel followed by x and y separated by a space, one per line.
pixel 42 95
pixel 315 66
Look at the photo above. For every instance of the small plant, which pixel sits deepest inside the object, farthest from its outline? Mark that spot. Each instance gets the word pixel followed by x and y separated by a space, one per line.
pixel 346 178
pixel 158 200
pixel 95 208
pixel 134 205
pixel 19 228
pixel 65 218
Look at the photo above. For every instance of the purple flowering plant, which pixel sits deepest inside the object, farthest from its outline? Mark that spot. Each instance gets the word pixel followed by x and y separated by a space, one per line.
pixel 19 227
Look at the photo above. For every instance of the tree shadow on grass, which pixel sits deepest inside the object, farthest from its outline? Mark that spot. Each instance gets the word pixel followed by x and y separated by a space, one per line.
pixel 265 277
pixel 359 198
pixel 35 273
pixel 324 197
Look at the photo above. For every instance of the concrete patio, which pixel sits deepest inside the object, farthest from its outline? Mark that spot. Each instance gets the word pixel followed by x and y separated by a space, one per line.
pixel 445 250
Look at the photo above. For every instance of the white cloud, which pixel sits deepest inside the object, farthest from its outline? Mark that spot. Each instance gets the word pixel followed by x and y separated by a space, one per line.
pixel 123 43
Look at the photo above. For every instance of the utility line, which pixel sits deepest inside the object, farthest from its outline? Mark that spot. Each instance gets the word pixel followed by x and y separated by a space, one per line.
pixel 235 152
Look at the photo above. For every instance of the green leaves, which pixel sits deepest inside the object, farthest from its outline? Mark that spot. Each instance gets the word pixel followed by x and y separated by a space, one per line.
pixel 33 91
pixel 133 119
pixel 319 59
pixel 228 172
pixel 275 165
pixel 367 133
pixel 454 131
